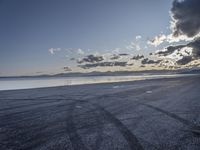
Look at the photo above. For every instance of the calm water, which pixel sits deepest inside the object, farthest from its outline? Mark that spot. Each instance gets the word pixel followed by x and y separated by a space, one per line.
pixel 27 83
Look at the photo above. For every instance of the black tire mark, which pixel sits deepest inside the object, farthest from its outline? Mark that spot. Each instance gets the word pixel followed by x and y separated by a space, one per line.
pixel 192 127
pixel 29 140
pixel 100 127
pixel 75 139
pixel 10 120
pixel 127 134
pixel 27 105
pixel 40 105
pixel 9 116
pixel 36 98
pixel 28 98
pixel 38 139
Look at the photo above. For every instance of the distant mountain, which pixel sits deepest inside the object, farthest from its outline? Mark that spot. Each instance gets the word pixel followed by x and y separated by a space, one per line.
pixel 109 73
pixel 117 73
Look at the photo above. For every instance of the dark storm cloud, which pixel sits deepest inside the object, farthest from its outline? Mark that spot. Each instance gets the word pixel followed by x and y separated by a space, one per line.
pixel 185 25
pixel 103 64
pixel 149 61
pixel 185 60
pixel 137 57
pixel 186 14
pixel 91 59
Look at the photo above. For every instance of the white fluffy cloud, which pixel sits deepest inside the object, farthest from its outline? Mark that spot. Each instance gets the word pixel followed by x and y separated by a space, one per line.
pixel 138 37
pixel 159 39
pixel 80 51
pixel 135 45
pixel 53 50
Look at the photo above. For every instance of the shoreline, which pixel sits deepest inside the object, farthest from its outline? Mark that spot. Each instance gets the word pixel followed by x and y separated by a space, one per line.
pixel 94 81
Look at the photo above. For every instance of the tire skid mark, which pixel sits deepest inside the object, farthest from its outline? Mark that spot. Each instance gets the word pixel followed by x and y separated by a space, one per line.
pixel 127 134
pixel 28 98
pixel 43 137
pixel 99 139
pixel 51 97
pixel 33 111
pixel 75 139
pixel 193 127
pixel 26 105
pixel 100 127
pixel 36 140
pixel 37 108
pixel 11 121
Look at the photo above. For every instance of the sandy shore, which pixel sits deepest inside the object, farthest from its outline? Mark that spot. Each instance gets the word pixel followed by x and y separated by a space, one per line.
pixel 148 114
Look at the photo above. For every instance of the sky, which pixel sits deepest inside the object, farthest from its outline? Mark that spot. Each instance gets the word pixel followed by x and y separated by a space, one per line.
pixel 53 36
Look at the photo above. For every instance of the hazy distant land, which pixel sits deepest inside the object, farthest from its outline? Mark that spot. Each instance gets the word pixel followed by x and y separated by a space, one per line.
pixel 110 73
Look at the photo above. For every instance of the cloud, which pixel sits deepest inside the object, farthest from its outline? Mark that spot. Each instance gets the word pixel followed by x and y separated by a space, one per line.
pixel 116 50
pixel 72 59
pixel 104 64
pixel 196 47
pixel 138 37
pixel 80 51
pixel 168 63
pixel 133 46
pixel 137 57
pixel 67 69
pixel 53 50
pixel 68 50
pixel 182 54
pixel 168 50
pixel 184 24
pixel 192 48
pixel 114 57
pixel 123 54
pixel 184 60
pixel 157 40
pixel 148 61
pixel 185 18
pixel 91 59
